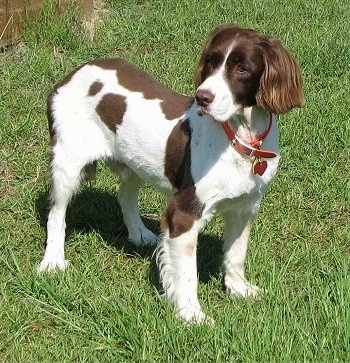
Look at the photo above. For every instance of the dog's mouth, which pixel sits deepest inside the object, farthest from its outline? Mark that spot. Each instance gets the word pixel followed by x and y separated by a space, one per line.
pixel 202 111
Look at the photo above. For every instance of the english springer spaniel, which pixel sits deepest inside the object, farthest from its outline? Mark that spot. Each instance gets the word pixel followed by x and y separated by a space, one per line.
pixel 216 152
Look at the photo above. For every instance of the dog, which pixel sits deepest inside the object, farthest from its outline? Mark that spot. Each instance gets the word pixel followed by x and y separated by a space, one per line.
pixel 216 152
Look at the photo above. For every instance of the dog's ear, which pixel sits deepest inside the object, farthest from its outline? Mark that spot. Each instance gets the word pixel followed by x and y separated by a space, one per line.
pixel 280 85
pixel 198 77
pixel 199 73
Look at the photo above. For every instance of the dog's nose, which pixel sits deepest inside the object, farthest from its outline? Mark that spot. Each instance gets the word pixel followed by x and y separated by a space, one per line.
pixel 204 97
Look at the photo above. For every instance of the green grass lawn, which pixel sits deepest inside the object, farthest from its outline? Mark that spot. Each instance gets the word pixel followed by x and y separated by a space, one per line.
pixel 105 307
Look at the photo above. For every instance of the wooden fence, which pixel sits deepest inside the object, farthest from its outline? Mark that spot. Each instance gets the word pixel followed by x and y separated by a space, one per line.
pixel 12 13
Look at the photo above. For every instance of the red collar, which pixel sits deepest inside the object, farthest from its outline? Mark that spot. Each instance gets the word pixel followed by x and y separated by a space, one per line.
pixel 251 148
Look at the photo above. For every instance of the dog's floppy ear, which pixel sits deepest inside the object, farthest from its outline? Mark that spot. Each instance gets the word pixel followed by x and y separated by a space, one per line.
pixel 199 74
pixel 280 85
pixel 198 77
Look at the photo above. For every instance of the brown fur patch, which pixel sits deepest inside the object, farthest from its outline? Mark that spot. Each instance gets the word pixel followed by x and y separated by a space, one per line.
pixel 244 65
pixel 177 156
pixel 173 104
pixel 280 85
pixel 111 110
pixel 205 63
pixel 184 208
pixel 259 69
pixel 95 88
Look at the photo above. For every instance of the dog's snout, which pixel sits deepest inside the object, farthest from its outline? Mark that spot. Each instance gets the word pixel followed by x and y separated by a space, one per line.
pixel 204 97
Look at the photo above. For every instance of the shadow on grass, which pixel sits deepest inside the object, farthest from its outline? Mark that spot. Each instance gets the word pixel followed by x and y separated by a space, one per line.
pixel 93 209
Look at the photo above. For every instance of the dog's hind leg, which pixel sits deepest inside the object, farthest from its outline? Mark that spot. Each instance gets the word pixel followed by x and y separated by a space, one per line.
pixel 130 185
pixel 66 175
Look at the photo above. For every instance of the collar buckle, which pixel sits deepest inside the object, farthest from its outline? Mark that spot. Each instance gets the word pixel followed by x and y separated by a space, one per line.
pixel 251 149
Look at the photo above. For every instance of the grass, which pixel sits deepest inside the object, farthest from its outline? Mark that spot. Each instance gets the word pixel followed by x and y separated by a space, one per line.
pixel 105 307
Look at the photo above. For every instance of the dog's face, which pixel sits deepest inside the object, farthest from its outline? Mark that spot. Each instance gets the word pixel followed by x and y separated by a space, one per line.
pixel 240 68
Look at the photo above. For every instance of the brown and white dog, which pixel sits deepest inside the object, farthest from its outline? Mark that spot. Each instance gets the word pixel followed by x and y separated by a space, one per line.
pixel 217 152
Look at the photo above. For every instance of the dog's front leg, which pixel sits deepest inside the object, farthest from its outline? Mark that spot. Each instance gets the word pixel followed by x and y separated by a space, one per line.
pixel 235 247
pixel 177 261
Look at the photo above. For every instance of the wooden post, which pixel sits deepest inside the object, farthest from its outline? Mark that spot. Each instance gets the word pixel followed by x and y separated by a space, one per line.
pixel 11 12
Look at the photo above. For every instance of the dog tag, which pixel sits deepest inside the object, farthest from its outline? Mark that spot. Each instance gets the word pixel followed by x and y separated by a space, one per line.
pixel 259 166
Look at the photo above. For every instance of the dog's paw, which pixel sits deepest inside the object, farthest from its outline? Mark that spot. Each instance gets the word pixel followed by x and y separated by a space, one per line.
pixel 194 316
pixel 243 289
pixel 146 238
pixel 51 265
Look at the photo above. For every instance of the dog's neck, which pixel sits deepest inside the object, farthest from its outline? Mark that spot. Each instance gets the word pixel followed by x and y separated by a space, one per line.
pixel 250 122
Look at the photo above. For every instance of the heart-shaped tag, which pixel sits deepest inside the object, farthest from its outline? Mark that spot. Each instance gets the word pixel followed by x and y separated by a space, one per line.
pixel 259 167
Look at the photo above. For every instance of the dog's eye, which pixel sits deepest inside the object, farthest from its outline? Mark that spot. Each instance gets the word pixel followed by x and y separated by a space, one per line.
pixel 209 60
pixel 241 69
pixel 213 59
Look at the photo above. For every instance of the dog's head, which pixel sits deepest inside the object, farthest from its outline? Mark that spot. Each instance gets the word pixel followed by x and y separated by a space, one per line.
pixel 240 68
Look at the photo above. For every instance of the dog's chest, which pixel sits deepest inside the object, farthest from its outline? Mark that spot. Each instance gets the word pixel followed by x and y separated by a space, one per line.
pixel 223 176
